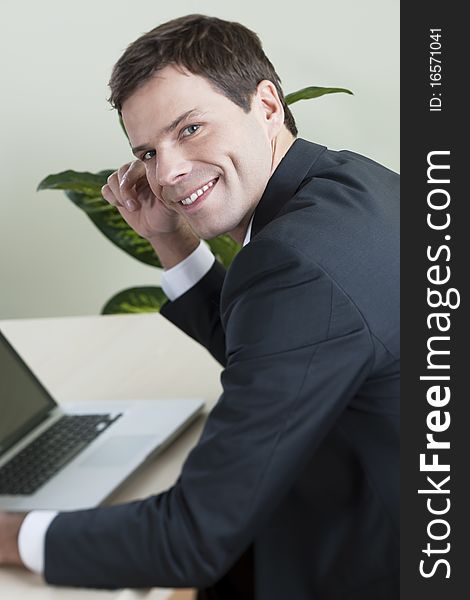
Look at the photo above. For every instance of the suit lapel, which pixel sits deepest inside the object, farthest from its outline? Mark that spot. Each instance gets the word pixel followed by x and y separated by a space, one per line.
pixel 285 181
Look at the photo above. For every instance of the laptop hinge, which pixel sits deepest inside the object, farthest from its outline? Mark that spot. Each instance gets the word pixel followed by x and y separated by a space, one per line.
pixel 52 417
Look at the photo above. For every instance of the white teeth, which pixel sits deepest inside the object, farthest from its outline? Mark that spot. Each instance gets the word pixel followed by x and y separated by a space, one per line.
pixel 197 193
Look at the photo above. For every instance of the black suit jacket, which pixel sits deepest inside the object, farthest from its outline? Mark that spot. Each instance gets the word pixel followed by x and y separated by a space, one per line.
pixel 296 471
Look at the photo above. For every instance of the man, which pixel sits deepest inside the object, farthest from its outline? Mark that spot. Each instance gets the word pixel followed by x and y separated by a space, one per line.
pixel 292 490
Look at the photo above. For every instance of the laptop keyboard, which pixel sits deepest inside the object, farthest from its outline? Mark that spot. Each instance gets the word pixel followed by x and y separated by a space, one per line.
pixel 48 453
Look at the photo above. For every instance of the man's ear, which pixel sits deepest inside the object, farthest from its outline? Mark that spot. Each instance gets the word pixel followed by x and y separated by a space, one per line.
pixel 270 107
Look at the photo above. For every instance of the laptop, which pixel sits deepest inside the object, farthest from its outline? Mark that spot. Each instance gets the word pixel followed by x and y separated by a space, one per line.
pixel 75 456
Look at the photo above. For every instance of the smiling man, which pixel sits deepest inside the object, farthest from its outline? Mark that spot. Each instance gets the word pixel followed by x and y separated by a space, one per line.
pixel 292 489
pixel 211 149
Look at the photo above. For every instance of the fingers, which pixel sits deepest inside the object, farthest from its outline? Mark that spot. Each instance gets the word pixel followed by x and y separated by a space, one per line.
pixel 110 191
pixel 129 175
pixel 120 189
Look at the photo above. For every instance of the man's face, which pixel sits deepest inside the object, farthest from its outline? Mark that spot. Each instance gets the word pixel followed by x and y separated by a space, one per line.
pixel 216 154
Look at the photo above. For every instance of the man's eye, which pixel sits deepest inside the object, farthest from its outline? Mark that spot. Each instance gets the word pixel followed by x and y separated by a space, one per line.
pixel 189 130
pixel 148 155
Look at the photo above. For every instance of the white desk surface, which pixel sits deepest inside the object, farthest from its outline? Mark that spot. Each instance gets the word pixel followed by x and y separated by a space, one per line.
pixel 114 357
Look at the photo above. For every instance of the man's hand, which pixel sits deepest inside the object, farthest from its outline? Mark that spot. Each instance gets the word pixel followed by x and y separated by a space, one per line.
pixel 169 233
pixel 10 524
pixel 129 191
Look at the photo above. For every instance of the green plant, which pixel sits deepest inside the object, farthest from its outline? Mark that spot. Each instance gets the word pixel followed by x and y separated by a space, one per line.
pixel 84 190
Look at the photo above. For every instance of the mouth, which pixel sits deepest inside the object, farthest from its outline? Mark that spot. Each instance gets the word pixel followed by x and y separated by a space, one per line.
pixel 198 196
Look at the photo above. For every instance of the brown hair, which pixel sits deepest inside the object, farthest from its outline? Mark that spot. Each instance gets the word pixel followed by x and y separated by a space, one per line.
pixel 228 54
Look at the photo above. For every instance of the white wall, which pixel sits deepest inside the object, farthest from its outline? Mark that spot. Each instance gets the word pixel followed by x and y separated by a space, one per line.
pixel 56 58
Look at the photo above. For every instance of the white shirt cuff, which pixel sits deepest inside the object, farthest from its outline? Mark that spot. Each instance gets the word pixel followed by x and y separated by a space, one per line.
pixel 180 278
pixel 32 538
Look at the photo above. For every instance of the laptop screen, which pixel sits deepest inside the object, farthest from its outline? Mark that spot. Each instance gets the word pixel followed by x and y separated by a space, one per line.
pixel 24 402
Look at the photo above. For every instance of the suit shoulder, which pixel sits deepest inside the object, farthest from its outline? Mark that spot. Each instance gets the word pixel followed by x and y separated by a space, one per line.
pixel 273 286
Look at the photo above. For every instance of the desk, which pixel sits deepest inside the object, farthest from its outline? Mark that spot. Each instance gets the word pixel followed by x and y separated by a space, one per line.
pixel 114 357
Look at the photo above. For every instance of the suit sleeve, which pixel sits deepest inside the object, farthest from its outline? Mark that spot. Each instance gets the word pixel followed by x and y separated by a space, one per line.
pixel 297 352
pixel 197 312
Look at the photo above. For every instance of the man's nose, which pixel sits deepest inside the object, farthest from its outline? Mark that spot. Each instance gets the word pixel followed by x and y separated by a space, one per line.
pixel 171 166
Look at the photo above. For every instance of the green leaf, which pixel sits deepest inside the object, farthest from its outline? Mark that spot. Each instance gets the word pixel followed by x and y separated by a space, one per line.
pixel 135 300
pixel 109 221
pixel 224 248
pixel 90 204
pixel 84 190
pixel 313 92
pixel 84 182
